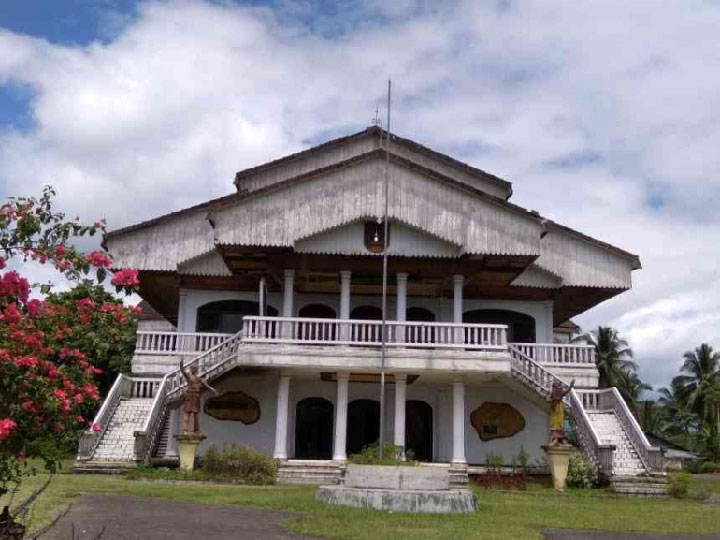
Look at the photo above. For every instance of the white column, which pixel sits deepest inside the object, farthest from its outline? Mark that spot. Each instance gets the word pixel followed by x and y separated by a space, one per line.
pixel 400 395
pixel 173 422
pixel 262 290
pixel 458 306
pixel 281 422
pixel 341 406
pixel 401 301
pixel 183 321
pixel 287 307
pixel 458 421
pixel 288 293
pixel 345 276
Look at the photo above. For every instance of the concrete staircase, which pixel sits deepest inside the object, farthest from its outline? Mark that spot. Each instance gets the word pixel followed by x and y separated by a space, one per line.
pixel 116 447
pixel 296 471
pixel 626 461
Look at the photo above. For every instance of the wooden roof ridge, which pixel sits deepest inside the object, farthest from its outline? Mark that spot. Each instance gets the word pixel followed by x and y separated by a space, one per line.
pixel 376 131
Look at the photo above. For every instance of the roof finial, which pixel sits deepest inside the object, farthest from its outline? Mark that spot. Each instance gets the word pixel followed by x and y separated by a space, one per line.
pixel 377 121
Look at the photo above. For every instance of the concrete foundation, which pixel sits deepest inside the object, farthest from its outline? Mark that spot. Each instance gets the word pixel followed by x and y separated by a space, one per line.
pixel 399 489
pixel 460 501
pixel 187 445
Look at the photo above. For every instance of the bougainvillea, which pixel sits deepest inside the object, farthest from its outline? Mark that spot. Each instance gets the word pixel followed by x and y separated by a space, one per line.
pixel 54 346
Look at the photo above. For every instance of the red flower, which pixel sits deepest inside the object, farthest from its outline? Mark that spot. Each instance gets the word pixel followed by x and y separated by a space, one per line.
pixel 85 303
pixel 96 427
pixel 58 428
pixel 80 419
pixel 127 277
pixel 12 315
pixel 60 394
pixel 7 427
pixel 33 307
pixel 99 259
pixel 2 263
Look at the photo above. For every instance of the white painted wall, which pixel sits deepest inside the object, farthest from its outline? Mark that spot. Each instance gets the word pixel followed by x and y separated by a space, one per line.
pixel 192 299
pixel 263 387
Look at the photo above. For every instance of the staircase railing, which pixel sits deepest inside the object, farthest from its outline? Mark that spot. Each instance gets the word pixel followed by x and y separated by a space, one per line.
pixel 532 373
pixel 206 363
pixel 541 379
pixel 171 386
pixel 651 456
pixel 91 438
pixel 588 438
pixel 146 437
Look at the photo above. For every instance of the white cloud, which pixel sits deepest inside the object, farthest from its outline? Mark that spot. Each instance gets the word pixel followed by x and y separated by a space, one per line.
pixel 623 94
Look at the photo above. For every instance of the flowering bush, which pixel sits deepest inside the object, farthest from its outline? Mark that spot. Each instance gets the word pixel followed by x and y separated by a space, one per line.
pixel 53 348
pixel 582 472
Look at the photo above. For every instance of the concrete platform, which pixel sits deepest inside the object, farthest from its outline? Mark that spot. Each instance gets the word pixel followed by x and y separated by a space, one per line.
pixel 460 501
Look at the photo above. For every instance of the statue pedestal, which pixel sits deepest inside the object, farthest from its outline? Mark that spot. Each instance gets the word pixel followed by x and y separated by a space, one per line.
pixel 558 458
pixel 187 446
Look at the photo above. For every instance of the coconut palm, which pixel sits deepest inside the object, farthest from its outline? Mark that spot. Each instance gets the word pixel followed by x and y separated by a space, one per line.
pixel 631 388
pixel 697 384
pixel 612 354
pixel 679 419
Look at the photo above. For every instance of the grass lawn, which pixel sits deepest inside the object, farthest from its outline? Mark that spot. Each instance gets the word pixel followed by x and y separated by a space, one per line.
pixel 499 515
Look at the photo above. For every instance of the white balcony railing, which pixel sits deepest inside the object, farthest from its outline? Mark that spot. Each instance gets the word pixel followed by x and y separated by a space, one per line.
pixel 182 343
pixel 557 353
pixel 296 330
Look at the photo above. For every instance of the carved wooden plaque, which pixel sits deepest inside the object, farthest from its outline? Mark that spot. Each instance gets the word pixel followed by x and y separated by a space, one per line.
pixel 233 406
pixel 496 420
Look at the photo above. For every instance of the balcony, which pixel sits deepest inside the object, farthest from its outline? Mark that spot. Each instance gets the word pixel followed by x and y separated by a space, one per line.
pixel 333 343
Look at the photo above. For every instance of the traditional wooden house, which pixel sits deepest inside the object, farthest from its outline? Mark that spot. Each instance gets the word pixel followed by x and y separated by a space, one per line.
pixel 275 293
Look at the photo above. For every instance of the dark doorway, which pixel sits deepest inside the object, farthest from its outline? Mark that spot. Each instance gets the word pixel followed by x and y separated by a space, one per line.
pixel 419 429
pixel 317 331
pixel 317 311
pixel 521 327
pixel 226 316
pixel 314 428
pixel 419 334
pixel 369 333
pixel 363 424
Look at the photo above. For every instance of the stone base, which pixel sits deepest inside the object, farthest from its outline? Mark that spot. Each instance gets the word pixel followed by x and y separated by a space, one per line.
pixel 461 501
pixel 558 458
pixel 187 447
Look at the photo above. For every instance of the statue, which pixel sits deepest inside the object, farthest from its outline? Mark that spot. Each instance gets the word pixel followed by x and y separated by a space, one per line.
pixel 557 412
pixel 191 408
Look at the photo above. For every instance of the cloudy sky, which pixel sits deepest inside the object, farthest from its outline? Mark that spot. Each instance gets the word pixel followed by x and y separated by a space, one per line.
pixel 605 116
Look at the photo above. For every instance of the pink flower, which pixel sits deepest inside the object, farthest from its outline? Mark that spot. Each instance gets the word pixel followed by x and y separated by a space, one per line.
pixel 80 419
pixel 33 307
pixel 99 259
pixel 127 278
pixel 7 427
pixel 60 394
pixel 12 315
pixel 85 303
pixel 96 427
pixel 60 250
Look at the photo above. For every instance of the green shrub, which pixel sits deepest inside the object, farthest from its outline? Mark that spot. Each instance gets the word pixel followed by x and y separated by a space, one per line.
pixel 494 462
pixel 679 484
pixel 582 472
pixel 240 462
pixel 392 455
pixel 710 467
pixel 522 460
pixel 693 466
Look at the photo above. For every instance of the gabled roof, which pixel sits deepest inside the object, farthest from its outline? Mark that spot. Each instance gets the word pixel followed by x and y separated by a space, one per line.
pixel 377 138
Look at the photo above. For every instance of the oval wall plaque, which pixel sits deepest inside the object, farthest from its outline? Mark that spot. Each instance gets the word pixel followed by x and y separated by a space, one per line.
pixel 496 420
pixel 233 406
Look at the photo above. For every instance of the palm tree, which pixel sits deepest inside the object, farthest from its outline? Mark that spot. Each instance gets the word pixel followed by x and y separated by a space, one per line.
pixel 679 419
pixel 652 420
pixel 631 388
pixel 697 383
pixel 612 355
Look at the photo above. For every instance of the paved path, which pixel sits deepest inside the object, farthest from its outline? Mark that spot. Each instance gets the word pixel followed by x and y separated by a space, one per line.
pixel 592 535
pixel 126 518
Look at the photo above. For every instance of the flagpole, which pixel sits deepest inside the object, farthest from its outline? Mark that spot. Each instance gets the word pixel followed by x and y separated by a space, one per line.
pixel 383 328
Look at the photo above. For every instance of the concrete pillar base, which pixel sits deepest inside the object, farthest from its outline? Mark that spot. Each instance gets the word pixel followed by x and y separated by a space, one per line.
pixel 187 447
pixel 558 458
